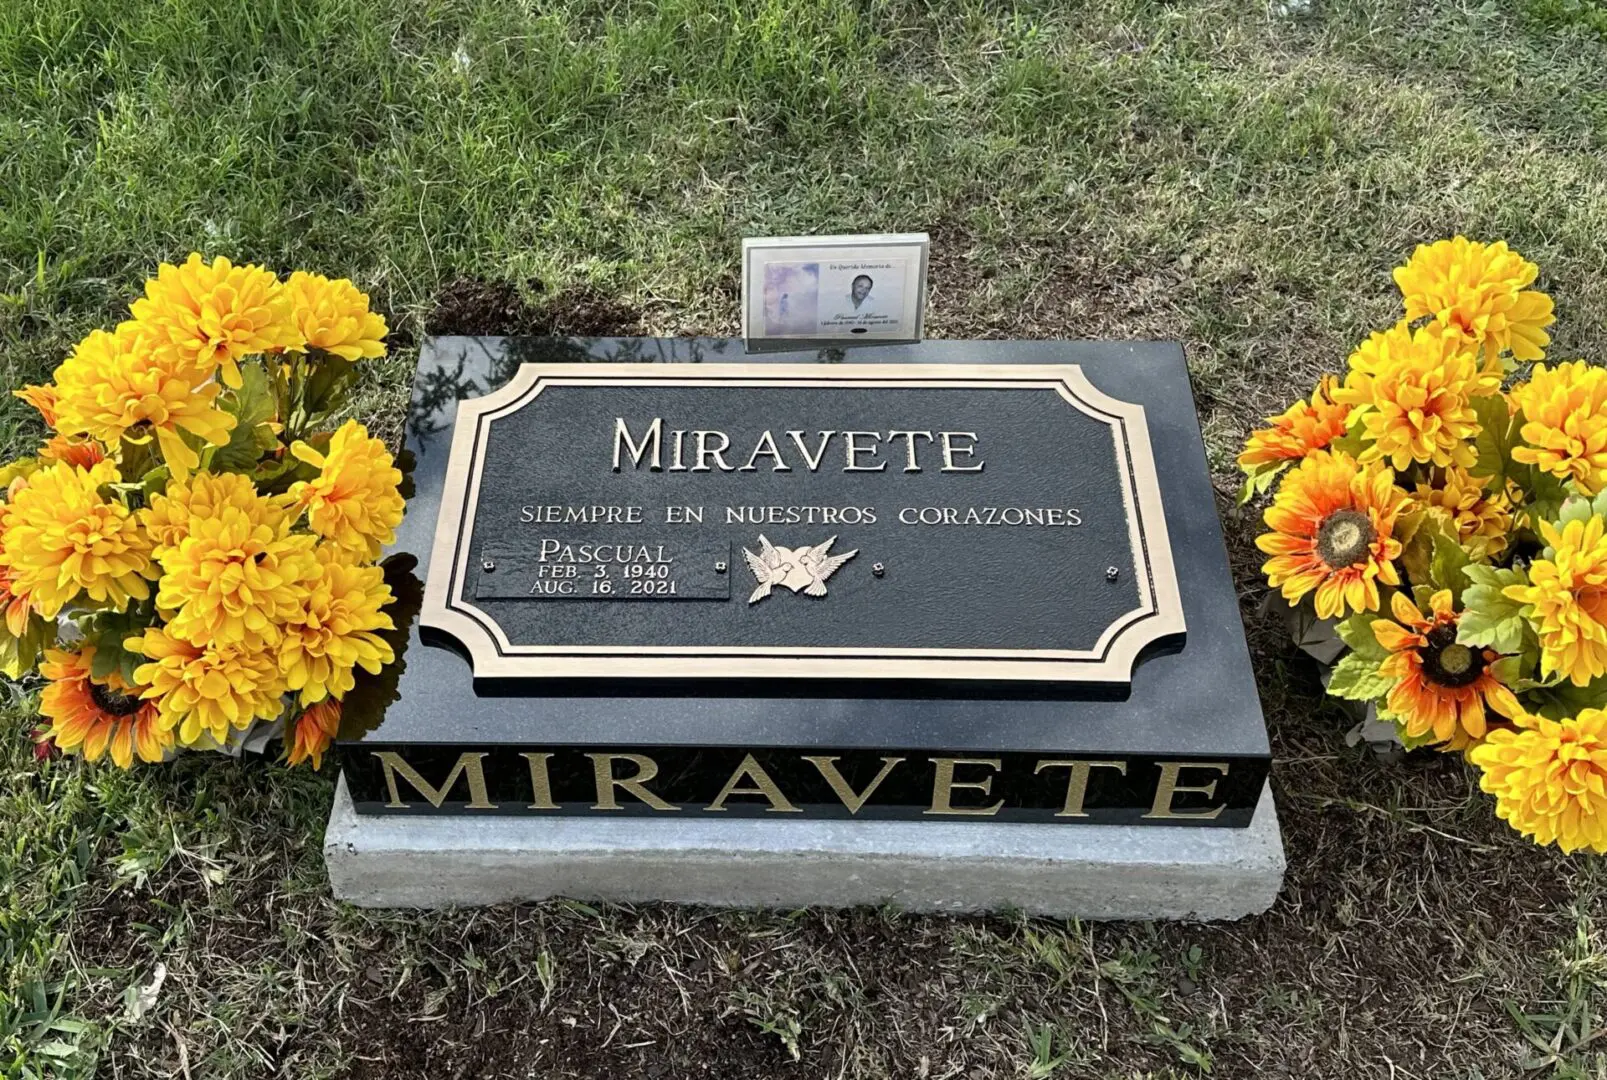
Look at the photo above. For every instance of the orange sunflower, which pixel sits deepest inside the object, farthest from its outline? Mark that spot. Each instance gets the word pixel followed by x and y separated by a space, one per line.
pixel 1442 688
pixel 1298 430
pixel 1333 531
pixel 96 716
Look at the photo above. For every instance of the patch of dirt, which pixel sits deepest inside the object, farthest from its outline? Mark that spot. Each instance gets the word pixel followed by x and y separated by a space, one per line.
pixel 478 307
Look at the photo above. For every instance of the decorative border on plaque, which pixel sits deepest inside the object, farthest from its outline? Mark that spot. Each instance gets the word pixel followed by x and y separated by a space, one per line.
pixel 1159 613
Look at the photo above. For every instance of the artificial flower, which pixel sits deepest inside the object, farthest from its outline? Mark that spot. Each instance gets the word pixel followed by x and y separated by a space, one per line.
pixel 1480 519
pixel 84 453
pixel 1566 599
pixel 63 540
pixel 42 398
pixel 1333 524
pixel 1412 390
pixel 334 316
pixel 1549 779
pixel 131 385
pixel 333 632
pixel 202 496
pixel 95 716
pixel 1442 688
pixel 235 575
pixel 1298 430
pixel 1565 423
pixel 215 314
pixel 311 733
pixel 205 691
pixel 354 501
pixel 1479 293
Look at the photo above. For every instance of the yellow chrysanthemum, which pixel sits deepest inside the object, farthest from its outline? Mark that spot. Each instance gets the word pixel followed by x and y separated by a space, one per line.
pixel 204 495
pixel 334 316
pixel 204 691
pixel 130 385
pixel 1481 518
pixel 1333 525
pixel 1566 599
pixel 1549 779
pixel 334 631
pixel 1565 423
pixel 93 716
pixel 1299 430
pixel 312 732
pixel 1480 294
pixel 215 314
pixel 1442 689
pixel 235 575
pixel 62 540
pixel 354 502
pixel 1411 389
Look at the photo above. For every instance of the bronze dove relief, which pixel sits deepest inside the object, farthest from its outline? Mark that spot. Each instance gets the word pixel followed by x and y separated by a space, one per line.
pixel 801 569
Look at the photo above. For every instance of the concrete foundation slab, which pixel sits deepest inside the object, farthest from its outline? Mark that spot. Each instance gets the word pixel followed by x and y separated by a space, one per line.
pixel 1083 871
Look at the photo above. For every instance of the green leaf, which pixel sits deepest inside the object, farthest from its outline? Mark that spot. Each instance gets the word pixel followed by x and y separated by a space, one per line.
pixel 19 654
pixel 106 631
pixel 1446 566
pixel 1259 479
pixel 1357 632
pixel 1498 434
pixel 252 406
pixel 1356 677
pixel 1574 508
pixel 1353 441
pixel 327 378
pixel 1561 700
pixel 1546 494
pixel 1490 618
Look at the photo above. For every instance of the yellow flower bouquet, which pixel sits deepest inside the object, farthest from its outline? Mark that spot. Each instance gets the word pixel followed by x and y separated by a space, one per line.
pixel 1443 508
pixel 189 558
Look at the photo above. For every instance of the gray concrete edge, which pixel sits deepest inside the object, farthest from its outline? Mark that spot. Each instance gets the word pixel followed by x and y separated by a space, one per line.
pixel 1084 871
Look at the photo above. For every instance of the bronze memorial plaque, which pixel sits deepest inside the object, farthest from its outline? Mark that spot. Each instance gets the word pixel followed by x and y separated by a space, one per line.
pixel 762 521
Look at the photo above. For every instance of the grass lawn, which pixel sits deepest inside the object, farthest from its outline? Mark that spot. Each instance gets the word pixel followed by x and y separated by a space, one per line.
pixel 1231 174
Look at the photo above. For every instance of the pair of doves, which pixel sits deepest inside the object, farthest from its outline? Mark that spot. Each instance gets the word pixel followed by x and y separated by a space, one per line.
pixel 802 569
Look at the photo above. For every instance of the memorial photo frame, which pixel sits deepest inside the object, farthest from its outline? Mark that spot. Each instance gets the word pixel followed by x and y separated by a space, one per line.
pixel 833 291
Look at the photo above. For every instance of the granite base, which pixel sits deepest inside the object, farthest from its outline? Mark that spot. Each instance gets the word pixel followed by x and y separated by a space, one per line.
pixel 1082 871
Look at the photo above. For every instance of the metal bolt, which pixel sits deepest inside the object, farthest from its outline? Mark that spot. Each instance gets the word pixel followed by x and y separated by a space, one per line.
pixel 488 566
pixel 878 569
pixel 1112 573
pixel 719 568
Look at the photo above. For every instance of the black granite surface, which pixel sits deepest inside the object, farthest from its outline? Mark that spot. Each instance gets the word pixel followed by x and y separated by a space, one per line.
pixel 1194 700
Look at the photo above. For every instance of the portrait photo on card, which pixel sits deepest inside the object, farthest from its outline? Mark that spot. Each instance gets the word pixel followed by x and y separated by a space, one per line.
pixel 810 291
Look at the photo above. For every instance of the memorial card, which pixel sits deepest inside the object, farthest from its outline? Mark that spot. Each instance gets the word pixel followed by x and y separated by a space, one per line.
pixel 833 290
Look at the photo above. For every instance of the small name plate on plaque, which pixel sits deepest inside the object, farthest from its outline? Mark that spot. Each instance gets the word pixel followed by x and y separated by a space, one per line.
pixel 766 521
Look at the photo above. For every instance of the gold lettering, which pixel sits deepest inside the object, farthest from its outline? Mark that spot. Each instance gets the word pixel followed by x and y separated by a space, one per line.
pixel 1077 783
pixel 820 448
pixel 646 769
pixel 705 453
pixel 950 450
pixel 839 784
pixel 750 769
pixel 943 785
pixel 851 442
pixel 540 783
pixel 909 438
pixel 470 765
pixel 767 448
pixel 623 441
pixel 1169 787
